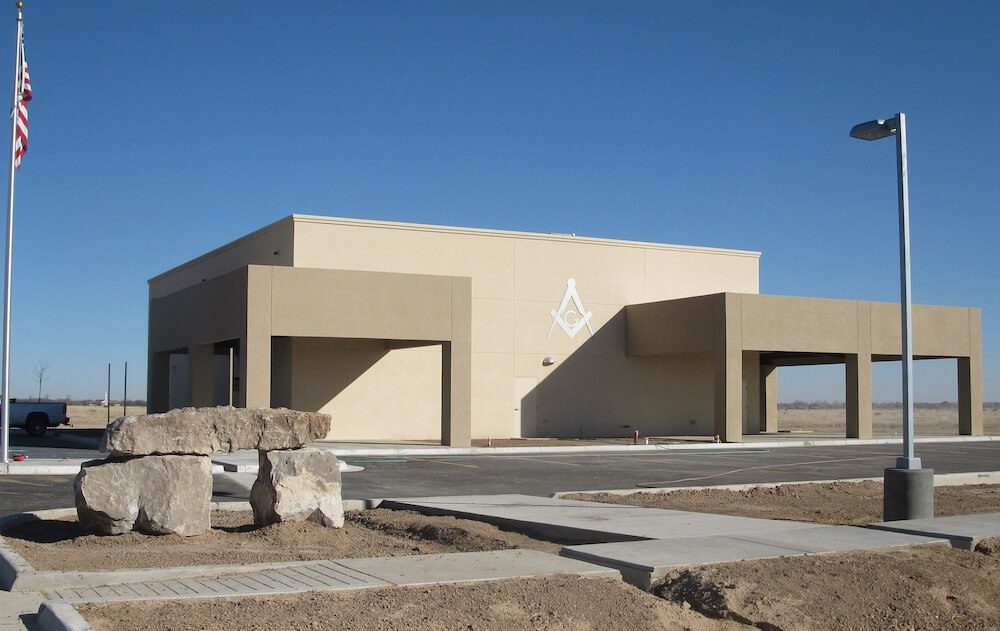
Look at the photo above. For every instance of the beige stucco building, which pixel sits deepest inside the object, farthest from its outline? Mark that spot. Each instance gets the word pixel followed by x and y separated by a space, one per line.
pixel 404 331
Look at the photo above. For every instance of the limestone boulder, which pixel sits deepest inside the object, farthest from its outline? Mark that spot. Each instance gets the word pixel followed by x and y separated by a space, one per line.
pixel 208 430
pixel 155 495
pixel 298 485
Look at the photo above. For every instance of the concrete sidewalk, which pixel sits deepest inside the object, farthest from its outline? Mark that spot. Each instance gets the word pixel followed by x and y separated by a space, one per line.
pixel 587 522
pixel 644 544
pixel 644 563
pixel 963 531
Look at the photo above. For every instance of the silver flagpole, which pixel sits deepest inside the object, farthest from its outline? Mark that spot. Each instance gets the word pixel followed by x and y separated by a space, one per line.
pixel 5 440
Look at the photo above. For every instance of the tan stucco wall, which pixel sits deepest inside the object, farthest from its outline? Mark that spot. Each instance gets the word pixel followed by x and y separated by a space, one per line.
pixel 275 312
pixel 358 383
pixel 790 323
pixel 271 245
pixel 738 329
pixel 681 358
pixel 798 324
pixel 593 388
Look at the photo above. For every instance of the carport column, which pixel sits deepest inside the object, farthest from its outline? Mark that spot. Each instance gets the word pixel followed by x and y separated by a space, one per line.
pixel 728 369
pixel 158 383
pixel 456 369
pixel 858 373
pixel 201 357
pixel 255 343
pixel 751 392
pixel 859 395
pixel 970 381
pixel 768 398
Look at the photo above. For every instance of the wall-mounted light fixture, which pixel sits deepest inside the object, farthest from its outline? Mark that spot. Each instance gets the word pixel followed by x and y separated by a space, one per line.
pixel 548 361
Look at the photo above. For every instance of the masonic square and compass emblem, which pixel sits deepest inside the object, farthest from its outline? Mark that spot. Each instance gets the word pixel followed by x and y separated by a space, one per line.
pixel 571 318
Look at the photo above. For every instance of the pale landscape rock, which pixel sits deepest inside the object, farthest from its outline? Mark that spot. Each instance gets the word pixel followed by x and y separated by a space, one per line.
pixel 298 485
pixel 152 494
pixel 208 430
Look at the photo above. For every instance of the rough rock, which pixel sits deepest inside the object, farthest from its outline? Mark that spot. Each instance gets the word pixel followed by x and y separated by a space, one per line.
pixel 298 485
pixel 156 495
pixel 208 430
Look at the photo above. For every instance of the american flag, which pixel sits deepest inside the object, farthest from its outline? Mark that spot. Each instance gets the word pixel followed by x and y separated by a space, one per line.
pixel 23 96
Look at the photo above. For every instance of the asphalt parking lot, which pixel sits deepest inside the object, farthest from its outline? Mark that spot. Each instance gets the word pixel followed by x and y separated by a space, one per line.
pixel 547 473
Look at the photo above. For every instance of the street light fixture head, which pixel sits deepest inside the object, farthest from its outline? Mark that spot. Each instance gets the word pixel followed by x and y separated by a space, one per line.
pixel 874 130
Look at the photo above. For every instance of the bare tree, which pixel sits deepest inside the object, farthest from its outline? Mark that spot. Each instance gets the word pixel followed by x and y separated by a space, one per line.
pixel 41 373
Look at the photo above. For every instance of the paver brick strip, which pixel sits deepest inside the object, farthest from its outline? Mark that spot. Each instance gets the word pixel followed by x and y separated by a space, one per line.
pixel 344 574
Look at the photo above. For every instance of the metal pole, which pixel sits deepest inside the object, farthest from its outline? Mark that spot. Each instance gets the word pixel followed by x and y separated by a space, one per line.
pixel 908 460
pixel 107 394
pixel 231 375
pixel 5 439
pixel 125 392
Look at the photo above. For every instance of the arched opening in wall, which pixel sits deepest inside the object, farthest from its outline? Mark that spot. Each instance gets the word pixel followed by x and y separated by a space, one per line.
pixel 935 398
pixel 811 399
pixel 375 389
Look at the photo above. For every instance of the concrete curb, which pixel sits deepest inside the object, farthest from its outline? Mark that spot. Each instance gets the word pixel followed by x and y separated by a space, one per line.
pixel 60 617
pixel 71 466
pixel 68 466
pixel 12 567
pixel 941 479
pixel 233 467
pixel 475 451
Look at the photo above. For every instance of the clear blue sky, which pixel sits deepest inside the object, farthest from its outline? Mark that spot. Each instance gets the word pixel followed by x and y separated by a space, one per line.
pixel 160 130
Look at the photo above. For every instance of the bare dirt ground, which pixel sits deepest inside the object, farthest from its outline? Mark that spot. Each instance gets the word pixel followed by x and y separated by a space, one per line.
pixel 63 545
pixel 885 422
pixel 926 588
pixel 557 603
pixel 853 503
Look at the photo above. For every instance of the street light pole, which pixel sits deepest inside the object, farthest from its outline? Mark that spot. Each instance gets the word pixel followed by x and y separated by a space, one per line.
pixel 908 460
pixel 909 488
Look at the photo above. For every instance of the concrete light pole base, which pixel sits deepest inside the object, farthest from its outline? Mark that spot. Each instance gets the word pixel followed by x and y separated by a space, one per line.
pixel 909 494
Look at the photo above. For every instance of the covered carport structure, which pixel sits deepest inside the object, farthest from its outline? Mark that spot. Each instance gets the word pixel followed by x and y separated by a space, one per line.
pixel 252 309
pixel 750 335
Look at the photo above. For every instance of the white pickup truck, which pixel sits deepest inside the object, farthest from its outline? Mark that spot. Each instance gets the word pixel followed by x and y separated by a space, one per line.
pixel 37 418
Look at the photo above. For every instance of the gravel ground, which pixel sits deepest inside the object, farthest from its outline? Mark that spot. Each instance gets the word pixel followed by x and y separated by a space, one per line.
pixel 63 545
pixel 853 503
